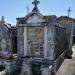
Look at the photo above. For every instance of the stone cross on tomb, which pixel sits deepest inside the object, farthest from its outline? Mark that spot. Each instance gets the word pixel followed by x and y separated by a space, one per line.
pixel 35 3
pixel 69 10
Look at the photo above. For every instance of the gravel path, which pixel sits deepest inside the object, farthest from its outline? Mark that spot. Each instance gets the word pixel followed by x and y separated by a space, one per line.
pixel 68 66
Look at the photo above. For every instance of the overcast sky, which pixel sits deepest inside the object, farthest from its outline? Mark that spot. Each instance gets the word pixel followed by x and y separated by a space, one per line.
pixel 11 9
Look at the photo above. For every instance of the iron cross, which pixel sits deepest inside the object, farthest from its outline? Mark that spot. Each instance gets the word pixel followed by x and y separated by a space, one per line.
pixel 69 10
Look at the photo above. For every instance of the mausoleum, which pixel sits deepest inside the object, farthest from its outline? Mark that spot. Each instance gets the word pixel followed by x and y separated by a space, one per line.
pixel 41 36
pixel 5 37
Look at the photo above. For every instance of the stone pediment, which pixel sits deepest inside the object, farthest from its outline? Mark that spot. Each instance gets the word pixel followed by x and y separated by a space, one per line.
pixel 31 19
pixel 35 18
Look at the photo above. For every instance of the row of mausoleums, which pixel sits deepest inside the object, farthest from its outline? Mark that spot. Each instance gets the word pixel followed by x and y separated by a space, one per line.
pixel 46 37
pixel 42 43
pixel 35 35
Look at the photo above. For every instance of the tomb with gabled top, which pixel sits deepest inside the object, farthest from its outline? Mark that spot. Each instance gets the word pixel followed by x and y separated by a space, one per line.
pixel 42 38
pixel 41 42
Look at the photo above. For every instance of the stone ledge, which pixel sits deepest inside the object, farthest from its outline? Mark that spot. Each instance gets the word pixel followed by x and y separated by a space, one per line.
pixel 58 62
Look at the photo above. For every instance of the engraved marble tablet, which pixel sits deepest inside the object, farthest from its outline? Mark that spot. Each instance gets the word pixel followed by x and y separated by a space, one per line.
pixel 3 44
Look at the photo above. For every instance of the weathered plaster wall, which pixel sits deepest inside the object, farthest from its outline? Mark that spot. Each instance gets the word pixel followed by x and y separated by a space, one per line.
pixel 34 19
pixel 59 40
pixel 20 40
pixel 67 23
pixel 35 40
pixel 5 39
pixel 50 40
